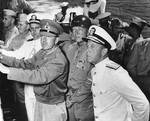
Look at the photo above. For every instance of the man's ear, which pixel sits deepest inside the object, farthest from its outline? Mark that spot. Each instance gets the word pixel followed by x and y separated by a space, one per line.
pixel 57 40
pixel 13 20
pixel 104 51
pixel 28 27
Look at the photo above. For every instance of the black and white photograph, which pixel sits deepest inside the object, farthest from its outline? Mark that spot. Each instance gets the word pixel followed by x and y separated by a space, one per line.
pixel 74 60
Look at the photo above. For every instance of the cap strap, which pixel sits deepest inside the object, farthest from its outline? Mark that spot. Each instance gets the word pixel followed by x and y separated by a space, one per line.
pixel 91 2
pixel 107 45
pixel 43 30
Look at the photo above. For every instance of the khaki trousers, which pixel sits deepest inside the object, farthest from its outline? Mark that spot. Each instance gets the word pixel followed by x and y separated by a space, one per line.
pixel 47 112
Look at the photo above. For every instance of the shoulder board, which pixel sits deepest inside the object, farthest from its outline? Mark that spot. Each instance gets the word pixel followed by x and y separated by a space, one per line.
pixel 112 65
pixel 142 43
pixel 30 40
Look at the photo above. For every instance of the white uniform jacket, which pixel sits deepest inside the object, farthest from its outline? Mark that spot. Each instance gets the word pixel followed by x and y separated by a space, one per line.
pixel 116 96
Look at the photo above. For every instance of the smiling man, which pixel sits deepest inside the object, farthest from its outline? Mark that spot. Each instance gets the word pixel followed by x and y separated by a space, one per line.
pixel 116 97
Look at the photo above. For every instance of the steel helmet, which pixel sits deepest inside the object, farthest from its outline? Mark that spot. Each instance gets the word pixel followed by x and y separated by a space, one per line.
pixel 81 21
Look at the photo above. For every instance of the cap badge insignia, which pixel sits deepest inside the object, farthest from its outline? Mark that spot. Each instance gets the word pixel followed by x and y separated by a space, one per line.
pixel 91 31
pixel 33 17
pixel 47 27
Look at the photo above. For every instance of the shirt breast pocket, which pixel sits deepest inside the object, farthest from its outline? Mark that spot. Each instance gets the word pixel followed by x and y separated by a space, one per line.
pixel 81 64
pixel 103 92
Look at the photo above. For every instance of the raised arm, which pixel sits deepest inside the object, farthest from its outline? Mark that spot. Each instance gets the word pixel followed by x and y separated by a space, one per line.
pixel 20 63
pixel 51 70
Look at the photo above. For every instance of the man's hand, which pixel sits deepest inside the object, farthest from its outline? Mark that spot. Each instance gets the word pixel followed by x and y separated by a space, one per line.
pixel 4 69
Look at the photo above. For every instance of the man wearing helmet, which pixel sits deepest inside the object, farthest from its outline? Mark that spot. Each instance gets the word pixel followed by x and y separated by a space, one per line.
pixel 79 96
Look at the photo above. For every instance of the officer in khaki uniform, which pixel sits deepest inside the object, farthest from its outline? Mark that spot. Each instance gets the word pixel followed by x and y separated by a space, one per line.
pixel 31 46
pixel 24 33
pixel 139 65
pixel 16 43
pixel 79 96
pixel 10 30
pixel 116 97
pixel 135 32
pixel 47 70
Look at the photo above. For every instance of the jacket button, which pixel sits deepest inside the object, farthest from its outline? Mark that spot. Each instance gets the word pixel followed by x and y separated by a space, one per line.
pixel 94 95
pixel 96 117
pixel 94 84
pixel 94 106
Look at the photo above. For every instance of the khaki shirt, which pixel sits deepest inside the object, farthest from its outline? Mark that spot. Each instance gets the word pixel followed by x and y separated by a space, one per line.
pixel 10 34
pixel 139 61
pixel 79 78
pixel 47 70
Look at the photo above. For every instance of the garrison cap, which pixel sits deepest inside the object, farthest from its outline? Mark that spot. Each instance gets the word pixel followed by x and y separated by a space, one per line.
pixel 8 12
pixel 100 36
pixel 50 27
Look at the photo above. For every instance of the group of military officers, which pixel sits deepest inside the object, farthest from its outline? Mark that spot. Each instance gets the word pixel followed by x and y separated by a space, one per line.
pixel 78 79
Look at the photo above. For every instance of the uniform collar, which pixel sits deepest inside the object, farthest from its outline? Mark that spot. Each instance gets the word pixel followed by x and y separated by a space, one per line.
pixel 79 43
pixel 49 51
pixel 11 28
pixel 102 63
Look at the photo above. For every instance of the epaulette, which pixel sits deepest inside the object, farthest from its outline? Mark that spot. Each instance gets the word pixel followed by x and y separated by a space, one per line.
pixel 142 43
pixel 30 40
pixel 113 65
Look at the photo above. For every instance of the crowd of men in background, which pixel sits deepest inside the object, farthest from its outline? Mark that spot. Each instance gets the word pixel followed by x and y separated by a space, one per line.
pixel 96 70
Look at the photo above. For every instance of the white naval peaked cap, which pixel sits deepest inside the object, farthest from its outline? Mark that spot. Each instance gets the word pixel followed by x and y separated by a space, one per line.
pixel 9 12
pixel 100 36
